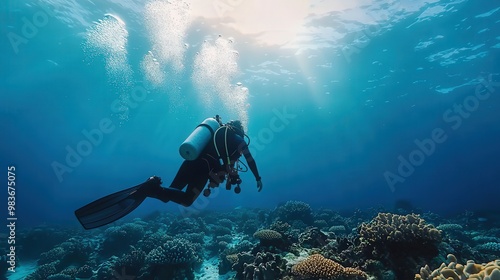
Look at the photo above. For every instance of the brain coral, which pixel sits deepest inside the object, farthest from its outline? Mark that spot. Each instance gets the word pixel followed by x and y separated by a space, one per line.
pixel 317 266
pixel 267 234
pixel 270 238
pixel 454 270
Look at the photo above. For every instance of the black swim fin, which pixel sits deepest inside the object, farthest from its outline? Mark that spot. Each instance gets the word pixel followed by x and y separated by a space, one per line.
pixel 112 207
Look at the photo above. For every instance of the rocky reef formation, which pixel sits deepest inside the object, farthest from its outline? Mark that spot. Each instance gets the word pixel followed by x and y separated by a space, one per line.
pixel 290 242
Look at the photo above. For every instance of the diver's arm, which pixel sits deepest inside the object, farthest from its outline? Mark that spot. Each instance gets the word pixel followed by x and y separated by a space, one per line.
pixel 253 166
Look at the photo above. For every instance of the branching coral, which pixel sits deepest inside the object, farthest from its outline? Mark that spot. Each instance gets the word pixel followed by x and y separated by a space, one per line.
pixel 69 253
pixel 175 259
pixel 172 252
pixel 390 233
pixel 388 227
pixel 132 262
pixel 266 266
pixel 400 242
pixel 43 272
pixel 152 240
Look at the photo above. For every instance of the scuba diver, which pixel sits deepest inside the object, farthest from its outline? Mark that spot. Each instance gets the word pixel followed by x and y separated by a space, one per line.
pixel 211 154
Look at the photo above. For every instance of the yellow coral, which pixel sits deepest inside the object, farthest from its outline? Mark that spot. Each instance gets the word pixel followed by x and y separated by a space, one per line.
pixel 320 267
pixel 456 271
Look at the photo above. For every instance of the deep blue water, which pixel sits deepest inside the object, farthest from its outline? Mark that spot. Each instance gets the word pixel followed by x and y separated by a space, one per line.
pixel 335 97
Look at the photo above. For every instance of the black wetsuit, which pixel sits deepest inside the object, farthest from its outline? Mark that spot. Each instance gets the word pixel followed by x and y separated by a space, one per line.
pixel 196 173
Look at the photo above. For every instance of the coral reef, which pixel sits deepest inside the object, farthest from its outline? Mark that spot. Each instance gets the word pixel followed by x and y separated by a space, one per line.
pixel 317 266
pixel 106 271
pixel 43 272
pixel 174 259
pixel 401 242
pixel 119 238
pixel 313 238
pixel 152 239
pixel 455 270
pixel 187 225
pixel 84 271
pixel 281 227
pixel 262 265
pixel 449 227
pixel 177 251
pixel 293 211
pixel 131 263
pixel 51 256
pixel 271 241
pixel 59 276
pixel 219 230
pixel 41 239
pixel 63 258
pixel 267 236
pixel 339 229
pixel 265 266
pixel 489 247
pixel 226 223
pixel 272 244
pixel 249 226
pixel 387 228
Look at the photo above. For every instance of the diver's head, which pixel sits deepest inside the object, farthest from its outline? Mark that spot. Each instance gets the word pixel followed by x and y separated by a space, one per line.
pixel 237 127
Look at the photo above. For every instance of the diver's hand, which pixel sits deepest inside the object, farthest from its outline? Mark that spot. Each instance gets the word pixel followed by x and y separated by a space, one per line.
pixel 259 185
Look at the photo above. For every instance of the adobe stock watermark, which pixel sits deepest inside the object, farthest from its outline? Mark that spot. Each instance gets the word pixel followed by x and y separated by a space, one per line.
pixel 281 119
pixel 454 117
pixel 29 28
pixel 277 123
pixel 75 154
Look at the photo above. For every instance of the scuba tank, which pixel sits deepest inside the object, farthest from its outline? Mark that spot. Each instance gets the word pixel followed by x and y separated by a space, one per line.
pixel 191 148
